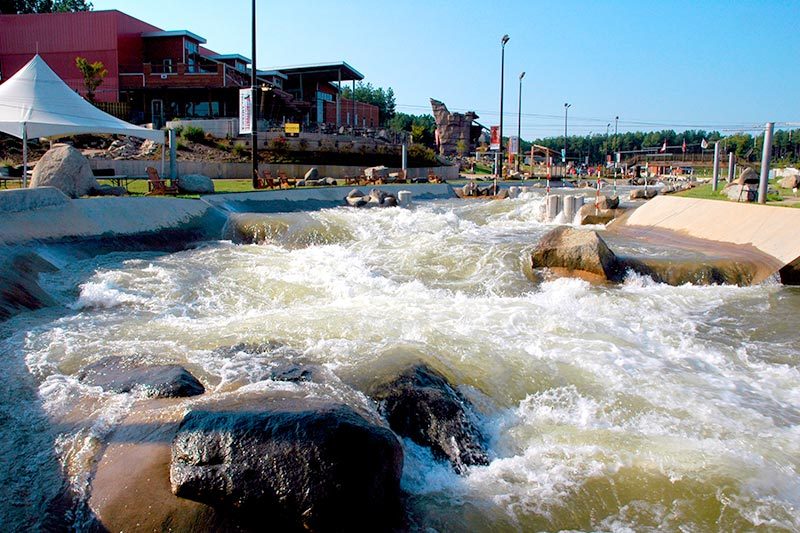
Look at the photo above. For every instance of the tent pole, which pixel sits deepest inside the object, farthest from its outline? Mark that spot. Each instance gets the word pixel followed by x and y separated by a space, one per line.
pixel 24 155
pixel 163 158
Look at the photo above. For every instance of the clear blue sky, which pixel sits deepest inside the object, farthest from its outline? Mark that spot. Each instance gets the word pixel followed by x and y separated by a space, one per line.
pixel 679 64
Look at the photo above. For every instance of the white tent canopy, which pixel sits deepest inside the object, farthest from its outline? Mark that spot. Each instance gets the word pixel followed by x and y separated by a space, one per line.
pixel 35 102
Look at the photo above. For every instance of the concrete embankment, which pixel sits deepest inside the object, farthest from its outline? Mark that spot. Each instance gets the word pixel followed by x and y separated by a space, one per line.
pixel 283 200
pixel 764 234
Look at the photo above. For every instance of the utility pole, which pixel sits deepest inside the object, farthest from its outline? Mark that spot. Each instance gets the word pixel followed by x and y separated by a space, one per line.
pixel 503 42
pixel 564 153
pixel 254 105
pixel 519 121
pixel 766 155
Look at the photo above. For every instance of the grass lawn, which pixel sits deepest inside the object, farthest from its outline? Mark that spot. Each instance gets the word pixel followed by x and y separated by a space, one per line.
pixel 220 186
pixel 784 198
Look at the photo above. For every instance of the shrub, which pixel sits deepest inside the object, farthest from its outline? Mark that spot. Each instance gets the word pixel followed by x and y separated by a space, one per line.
pixel 240 150
pixel 193 134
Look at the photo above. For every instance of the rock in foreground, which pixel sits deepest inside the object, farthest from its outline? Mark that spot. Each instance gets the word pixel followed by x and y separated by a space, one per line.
pixel 577 252
pixel 114 374
pixel 322 469
pixel 195 184
pixel 421 405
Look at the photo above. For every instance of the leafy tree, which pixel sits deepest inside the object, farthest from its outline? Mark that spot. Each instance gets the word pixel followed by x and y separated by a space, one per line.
pixel 93 75
pixel 43 6
pixel 377 96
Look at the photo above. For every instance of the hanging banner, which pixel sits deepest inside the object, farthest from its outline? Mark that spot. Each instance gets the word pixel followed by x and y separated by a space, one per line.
pixel 513 145
pixel 494 143
pixel 245 111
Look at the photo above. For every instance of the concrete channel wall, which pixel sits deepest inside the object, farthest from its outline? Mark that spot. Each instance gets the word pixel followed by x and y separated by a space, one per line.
pixel 772 230
pixel 243 170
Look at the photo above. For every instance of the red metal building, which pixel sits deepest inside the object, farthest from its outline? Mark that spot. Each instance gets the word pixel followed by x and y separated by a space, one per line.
pixel 158 75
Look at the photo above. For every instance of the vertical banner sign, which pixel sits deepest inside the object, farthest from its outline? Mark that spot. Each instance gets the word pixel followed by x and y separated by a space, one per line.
pixel 245 111
pixel 513 145
pixel 494 143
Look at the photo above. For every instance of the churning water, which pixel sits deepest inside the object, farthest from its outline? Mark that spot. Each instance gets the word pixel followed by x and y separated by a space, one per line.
pixel 618 408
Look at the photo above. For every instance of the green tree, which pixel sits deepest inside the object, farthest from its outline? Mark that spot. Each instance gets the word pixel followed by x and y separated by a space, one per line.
pixel 93 75
pixel 377 96
pixel 43 6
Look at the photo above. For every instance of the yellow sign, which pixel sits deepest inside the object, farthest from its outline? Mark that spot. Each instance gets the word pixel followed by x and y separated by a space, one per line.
pixel 291 127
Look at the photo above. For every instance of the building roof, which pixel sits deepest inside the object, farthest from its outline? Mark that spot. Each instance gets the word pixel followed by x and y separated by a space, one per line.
pixel 238 57
pixel 271 73
pixel 325 71
pixel 173 33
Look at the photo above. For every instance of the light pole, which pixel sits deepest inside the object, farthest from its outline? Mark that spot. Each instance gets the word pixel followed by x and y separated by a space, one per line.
pixel 503 42
pixel 254 104
pixel 564 155
pixel 519 121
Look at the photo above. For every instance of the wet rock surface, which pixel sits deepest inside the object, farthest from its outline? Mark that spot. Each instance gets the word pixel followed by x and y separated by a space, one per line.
pixel 577 251
pixel 295 466
pixel 421 405
pixel 115 374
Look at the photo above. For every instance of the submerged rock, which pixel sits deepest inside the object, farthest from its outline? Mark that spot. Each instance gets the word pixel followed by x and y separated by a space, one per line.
pixel 577 251
pixel 420 404
pixel 114 374
pixel 323 468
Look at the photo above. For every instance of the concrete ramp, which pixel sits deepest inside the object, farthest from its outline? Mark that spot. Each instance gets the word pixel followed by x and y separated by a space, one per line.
pixel 770 230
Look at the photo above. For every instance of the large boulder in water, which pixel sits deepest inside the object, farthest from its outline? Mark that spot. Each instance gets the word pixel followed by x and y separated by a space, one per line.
pixel 66 168
pixel 577 251
pixel 115 374
pixel 195 184
pixel 420 404
pixel 299 466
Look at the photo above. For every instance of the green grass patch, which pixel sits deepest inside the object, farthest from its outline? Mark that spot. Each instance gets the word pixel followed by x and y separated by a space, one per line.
pixel 703 192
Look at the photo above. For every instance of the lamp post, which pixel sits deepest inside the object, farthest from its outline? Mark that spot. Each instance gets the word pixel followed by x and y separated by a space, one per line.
pixel 519 121
pixel 503 42
pixel 254 104
pixel 564 155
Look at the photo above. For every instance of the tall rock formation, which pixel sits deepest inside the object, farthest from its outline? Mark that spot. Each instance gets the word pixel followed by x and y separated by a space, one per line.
pixel 454 127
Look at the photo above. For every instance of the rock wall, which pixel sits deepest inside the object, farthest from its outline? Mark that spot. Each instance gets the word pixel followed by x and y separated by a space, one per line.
pixel 454 127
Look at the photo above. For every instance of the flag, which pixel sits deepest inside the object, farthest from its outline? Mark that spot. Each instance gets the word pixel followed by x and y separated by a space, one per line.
pixel 684 146
pixel 704 144
pixel 663 147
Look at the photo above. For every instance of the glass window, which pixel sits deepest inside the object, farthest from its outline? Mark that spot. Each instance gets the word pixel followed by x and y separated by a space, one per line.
pixel 192 50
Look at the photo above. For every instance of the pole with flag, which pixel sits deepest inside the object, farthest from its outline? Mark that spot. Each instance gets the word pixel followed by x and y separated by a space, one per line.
pixel 663 148
pixel 684 145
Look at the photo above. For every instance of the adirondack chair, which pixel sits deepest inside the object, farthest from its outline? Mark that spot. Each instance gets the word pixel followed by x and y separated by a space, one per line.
pixel 265 180
pixel 286 182
pixel 157 186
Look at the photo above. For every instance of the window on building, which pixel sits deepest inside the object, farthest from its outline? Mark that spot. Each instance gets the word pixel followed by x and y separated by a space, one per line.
pixel 192 51
pixel 168 66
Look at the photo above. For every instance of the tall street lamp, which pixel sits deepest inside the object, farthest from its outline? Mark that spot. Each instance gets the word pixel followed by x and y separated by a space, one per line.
pixel 519 122
pixel 503 42
pixel 564 154
pixel 254 104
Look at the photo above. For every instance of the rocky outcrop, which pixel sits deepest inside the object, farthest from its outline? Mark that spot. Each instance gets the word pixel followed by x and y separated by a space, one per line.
pixel 375 198
pixel 299 466
pixel 588 214
pixel 65 168
pixel 421 405
pixel 790 181
pixel 748 176
pixel 376 172
pixel 607 202
pixel 195 184
pixel 741 193
pixel 115 374
pixel 454 127
pixel 641 194
pixel 572 251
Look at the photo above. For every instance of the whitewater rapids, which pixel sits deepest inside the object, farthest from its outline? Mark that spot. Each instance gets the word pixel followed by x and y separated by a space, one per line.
pixel 615 408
